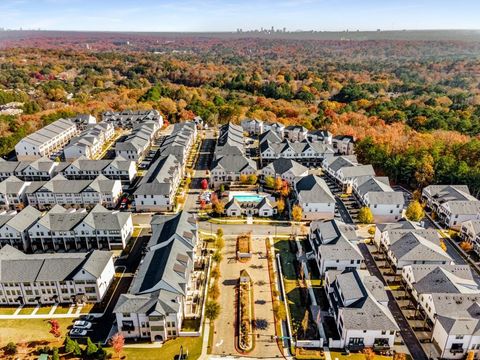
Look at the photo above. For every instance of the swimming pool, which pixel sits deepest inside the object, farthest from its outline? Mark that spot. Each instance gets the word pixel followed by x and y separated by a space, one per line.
pixel 248 198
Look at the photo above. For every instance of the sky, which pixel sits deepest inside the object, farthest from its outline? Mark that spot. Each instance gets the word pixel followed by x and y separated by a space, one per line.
pixel 229 15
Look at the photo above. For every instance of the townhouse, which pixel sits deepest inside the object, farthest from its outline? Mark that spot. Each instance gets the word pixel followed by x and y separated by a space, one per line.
pixel 470 232
pixel 286 169
pixel 228 168
pixel 13 193
pixel 360 308
pixel 74 193
pixel 157 189
pixel 343 144
pixel 116 169
pixel 295 133
pixel 452 203
pixel 263 208
pixel 375 193
pixel 14 227
pixel 42 169
pixel 180 142
pixel 334 245
pixel 90 142
pixel 230 141
pixel 136 145
pixel 46 141
pixel 405 246
pixel 306 152
pixel 332 164
pixel 314 197
pixel 252 126
pixel 54 278
pixel 277 128
pixel 322 136
pixel 165 286
pixel 129 119
pixel 63 229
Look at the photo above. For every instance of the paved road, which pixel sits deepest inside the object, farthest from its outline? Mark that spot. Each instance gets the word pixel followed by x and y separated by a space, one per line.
pixel 408 334
pixel 342 210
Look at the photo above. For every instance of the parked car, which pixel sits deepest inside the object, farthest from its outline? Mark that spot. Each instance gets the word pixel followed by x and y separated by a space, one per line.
pixel 82 324
pixel 78 332
pixel 88 318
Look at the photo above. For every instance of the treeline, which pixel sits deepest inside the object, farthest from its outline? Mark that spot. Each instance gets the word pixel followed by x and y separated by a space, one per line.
pixel 418 166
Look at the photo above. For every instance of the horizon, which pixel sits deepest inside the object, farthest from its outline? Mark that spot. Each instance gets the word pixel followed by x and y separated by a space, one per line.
pixel 195 16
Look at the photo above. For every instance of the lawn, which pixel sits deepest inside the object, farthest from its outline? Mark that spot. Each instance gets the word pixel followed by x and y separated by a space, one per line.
pixel 26 330
pixel 61 309
pixel 286 249
pixel 7 310
pixel 44 310
pixel 190 325
pixel 26 310
pixel 168 351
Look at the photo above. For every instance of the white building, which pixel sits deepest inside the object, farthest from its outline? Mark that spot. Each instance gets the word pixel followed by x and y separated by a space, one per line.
pixel 46 141
pixel 165 286
pixel 286 169
pixel 315 198
pixel 74 193
pixel 252 126
pixel 54 278
pixel 74 230
pixel 334 245
pixel 86 169
pixel 14 227
pixel 360 305
pixel 89 144
pixel 295 133
pixel 12 193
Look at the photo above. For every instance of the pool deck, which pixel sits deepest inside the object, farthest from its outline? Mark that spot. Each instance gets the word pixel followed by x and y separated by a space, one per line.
pixel 247 196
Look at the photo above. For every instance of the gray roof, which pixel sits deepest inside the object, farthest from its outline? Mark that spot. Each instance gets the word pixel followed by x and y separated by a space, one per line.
pixel 343 161
pixel 47 132
pixel 15 266
pixel 165 270
pixel 11 185
pixel 313 189
pixel 413 247
pixel 24 219
pixel 464 207
pixel 159 178
pixel 358 170
pixel 282 165
pixel 102 219
pixel 386 197
pixel 234 163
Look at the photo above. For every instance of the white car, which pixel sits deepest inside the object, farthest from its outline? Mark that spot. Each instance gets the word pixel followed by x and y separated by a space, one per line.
pixel 82 324
pixel 78 332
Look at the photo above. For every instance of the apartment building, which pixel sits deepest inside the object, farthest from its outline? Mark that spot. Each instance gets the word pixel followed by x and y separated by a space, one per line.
pixel 63 229
pixel 54 278
pixel 90 142
pixel 13 193
pixel 252 126
pixel 129 119
pixel 46 141
pixel 164 289
pixel 116 169
pixel 314 197
pixel 74 193
pixel 334 245
pixel 360 307
pixel 14 227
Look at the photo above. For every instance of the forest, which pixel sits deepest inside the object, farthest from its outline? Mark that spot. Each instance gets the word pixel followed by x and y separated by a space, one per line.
pixel 412 105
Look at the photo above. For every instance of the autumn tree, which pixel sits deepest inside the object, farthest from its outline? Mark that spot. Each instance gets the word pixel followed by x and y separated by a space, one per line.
pixel 400 356
pixel 369 354
pixel 443 245
pixel 204 184
pixel 243 178
pixel 365 216
pixel 280 205
pixel 278 183
pixel 466 246
pixel 297 213
pixel 415 211
pixel 305 323
pixel 117 342
pixel 424 172
pixel 279 310
pixel 218 207
pixel 54 328
pixel 269 182
pixel 252 179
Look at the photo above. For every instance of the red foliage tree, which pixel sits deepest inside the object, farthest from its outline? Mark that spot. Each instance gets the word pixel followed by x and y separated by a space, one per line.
pixel 204 184
pixel 54 328
pixel 117 341
pixel 202 204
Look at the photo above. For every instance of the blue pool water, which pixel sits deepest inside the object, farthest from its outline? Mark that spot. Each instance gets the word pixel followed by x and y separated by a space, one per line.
pixel 248 198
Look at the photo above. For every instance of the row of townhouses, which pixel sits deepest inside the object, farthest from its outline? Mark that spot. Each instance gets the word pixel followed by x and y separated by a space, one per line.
pixel 370 190
pixel 452 204
pixel 180 142
pixel 16 193
pixel 165 288
pixel 90 142
pixel 136 145
pixel 130 119
pixel 54 278
pixel 46 141
pixel 44 169
pixel 62 229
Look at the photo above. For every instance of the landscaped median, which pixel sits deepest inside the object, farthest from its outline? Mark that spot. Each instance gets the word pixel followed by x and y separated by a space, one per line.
pixel 245 313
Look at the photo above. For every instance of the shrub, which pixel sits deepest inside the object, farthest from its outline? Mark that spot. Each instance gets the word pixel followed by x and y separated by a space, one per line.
pixel 10 349
pixel 365 216
pixel 212 310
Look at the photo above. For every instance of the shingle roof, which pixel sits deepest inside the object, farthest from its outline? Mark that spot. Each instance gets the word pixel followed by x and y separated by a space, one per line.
pixel 313 189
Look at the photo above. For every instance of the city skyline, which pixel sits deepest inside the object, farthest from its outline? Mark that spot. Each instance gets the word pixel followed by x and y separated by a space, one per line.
pixel 230 15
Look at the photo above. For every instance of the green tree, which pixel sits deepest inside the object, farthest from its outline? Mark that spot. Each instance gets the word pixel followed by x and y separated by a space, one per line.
pixel 55 355
pixel 252 179
pixel 212 310
pixel 269 182
pixel 91 348
pixel 365 216
pixel 11 348
pixel 69 344
pixel 415 211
